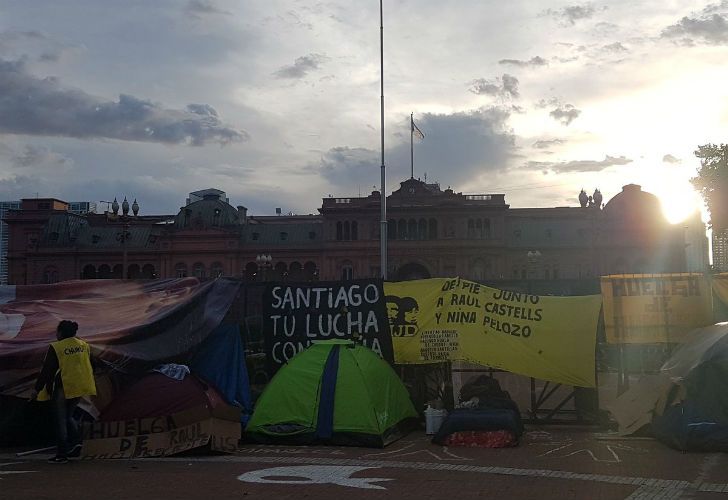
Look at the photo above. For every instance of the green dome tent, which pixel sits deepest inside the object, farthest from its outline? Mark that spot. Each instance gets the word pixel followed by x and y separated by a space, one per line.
pixel 334 392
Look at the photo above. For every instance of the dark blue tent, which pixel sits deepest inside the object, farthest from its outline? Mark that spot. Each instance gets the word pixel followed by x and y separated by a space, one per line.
pixel 220 361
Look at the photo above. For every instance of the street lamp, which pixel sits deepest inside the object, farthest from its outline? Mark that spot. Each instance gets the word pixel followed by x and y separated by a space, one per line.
pixel 125 219
pixel 265 263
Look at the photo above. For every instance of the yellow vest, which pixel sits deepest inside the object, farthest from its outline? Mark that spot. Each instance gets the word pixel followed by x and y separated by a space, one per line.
pixel 74 363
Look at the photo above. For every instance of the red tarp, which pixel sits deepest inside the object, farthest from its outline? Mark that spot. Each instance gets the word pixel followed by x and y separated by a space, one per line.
pixel 129 324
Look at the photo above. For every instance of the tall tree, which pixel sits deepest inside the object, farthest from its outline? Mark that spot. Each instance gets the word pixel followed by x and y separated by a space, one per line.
pixel 712 182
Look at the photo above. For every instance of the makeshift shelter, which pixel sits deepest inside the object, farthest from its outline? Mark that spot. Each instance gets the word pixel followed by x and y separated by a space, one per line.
pixel 220 361
pixel 687 403
pixel 160 416
pixel 334 392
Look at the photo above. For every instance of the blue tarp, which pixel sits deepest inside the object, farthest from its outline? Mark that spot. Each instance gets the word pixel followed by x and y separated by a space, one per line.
pixel 220 361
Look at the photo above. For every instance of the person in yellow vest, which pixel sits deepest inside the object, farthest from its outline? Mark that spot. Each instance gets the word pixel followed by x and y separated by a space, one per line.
pixel 66 376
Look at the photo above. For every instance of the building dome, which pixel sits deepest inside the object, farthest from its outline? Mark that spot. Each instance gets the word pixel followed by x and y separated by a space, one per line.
pixel 635 205
pixel 209 212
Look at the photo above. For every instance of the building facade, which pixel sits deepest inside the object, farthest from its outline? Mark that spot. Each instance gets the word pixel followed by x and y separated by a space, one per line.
pixel 431 233
pixel 5 206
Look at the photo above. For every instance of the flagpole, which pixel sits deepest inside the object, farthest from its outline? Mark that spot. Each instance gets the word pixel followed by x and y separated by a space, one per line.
pixel 412 147
pixel 383 195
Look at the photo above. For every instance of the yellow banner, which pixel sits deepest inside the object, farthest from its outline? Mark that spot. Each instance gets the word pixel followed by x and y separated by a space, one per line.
pixel 440 319
pixel 655 308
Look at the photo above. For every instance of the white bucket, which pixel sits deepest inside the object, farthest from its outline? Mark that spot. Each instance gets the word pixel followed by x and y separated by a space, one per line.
pixel 434 419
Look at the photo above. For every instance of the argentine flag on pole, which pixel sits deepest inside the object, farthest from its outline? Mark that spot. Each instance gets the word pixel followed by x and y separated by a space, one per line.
pixel 416 131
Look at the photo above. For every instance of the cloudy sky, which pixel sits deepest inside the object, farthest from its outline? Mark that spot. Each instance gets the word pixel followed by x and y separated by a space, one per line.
pixel 277 102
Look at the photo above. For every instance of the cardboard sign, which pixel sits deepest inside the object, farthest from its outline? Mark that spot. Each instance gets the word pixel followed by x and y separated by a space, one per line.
pixel 165 435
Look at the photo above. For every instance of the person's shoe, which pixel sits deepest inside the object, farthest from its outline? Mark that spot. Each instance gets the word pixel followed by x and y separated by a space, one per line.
pixel 75 451
pixel 58 460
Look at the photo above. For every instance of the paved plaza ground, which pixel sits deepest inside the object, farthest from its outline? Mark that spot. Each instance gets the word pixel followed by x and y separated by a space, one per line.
pixel 550 463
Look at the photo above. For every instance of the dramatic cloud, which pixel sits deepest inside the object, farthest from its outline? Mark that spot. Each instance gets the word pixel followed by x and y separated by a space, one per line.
pixel 197 8
pixel 545 144
pixel 568 16
pixel 671 159
pixel 301 67
pixel 505 86
pixel 34 106
pixel 710 26
pixel 458 148
pixel 578 165
pixel 533 62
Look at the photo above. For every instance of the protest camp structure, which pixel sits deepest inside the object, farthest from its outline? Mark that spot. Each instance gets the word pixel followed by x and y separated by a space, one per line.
pixel 334 392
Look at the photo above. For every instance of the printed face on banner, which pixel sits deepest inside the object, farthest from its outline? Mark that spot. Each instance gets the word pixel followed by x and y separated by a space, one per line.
pixel 402 315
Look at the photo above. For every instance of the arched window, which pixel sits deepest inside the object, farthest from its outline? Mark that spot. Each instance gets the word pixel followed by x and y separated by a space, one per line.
pixel 310 271
pixel 422 229
pixel 471 228
pixel 486 228
pixel 392 229
pixel 478 228
pixel 180 270
pixel 402 229
pixel 89 272
pixel 347 230
pixel 198 270
pixel 477 270
pixel 339 231
pixel 412 229
pixel 250 272
pixel 354 230
pixel 216 270
pixel 50 275
pixel 117 272
pixel 104 272
pixel 295 271
pixel 133 272
pixel 148 272
pixel 433 229
pixel 281 271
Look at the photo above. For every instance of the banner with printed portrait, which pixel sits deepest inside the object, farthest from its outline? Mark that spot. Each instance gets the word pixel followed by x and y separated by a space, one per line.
pixel 655 308
pixel 295 315
pixel 550 338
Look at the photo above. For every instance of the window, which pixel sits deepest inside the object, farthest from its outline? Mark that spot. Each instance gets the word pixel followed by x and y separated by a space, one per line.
pixel 216 270
pixel 433 229
pixel 549 233
pixel 311 235
pixel 95 238
pixel 517 234
pixel 486 228
pixel 284 236
pixel 354 230
pixel 347 231
pixel 54 236
pixel 347 271
pixel 180 270
pixel 339 231
pixel 256 236
pixel 44 206
pixel 198 270
pixel 50 275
